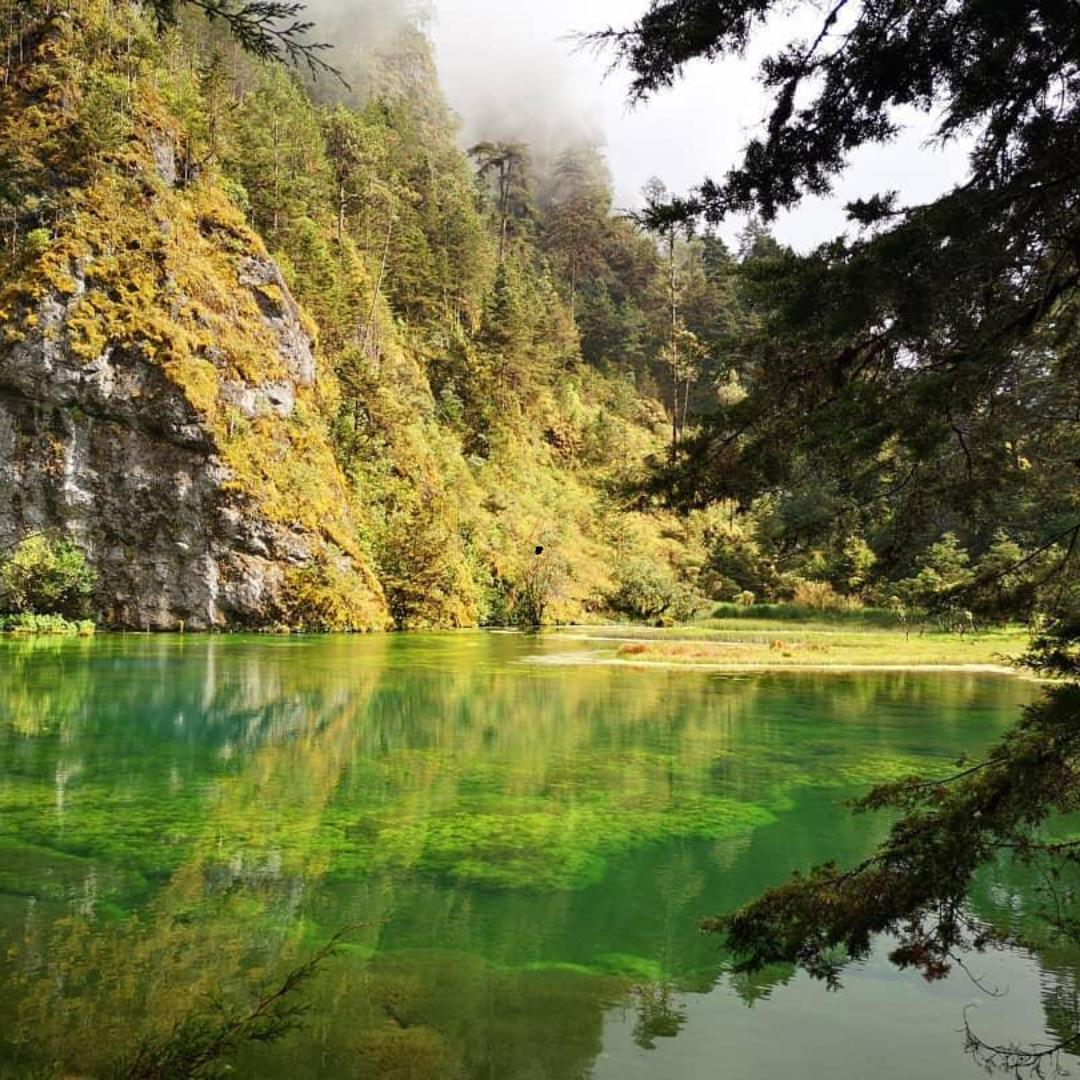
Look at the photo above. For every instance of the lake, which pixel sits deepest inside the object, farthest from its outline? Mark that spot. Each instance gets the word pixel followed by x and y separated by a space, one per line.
pixel 529 843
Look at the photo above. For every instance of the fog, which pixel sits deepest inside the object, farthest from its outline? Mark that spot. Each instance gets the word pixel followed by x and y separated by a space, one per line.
pixel 512 71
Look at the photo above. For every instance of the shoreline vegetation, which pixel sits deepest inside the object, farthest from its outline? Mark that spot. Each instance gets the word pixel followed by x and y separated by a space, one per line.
pixel 731 645
pixel 782 641
pixel 28 623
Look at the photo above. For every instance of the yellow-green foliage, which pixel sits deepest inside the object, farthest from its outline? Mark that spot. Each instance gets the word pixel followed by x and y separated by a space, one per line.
pixel 46 577
pixel 432 462
pixel 154 270
pixel 330 594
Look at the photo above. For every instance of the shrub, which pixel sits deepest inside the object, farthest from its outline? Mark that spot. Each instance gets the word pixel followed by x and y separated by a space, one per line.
pixel 643 591
pixel 848 567
pixel 1004 584
pixel 943 571
pixel 35 243
pixel 47 577
pixel 542 584
pixel 424 567
pixel 525 596
pixel 736 563
pixel 821 596
pixel 648 592
pixel 329 595
pixel 46 624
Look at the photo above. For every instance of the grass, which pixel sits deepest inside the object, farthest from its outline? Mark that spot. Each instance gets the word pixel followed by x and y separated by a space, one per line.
pixel 743 642
pixel 769 614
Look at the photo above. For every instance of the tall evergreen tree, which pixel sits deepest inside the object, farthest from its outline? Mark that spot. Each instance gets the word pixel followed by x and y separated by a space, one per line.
pixel 506 166
pixel 899 347
pixel 576 223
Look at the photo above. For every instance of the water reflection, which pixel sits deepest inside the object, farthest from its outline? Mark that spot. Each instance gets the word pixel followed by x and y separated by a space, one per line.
pixel 530 847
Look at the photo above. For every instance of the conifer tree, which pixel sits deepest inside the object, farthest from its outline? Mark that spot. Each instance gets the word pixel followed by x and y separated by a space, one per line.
pixel 576 223
pixel 882 356
pixel 506 166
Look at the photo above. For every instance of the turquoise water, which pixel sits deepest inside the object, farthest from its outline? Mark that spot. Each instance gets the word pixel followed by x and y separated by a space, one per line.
pixel 528 844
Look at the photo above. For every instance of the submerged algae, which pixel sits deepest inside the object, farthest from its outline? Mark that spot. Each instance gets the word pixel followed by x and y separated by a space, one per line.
pixel 257 782
pixel 538 847
pixel 520 843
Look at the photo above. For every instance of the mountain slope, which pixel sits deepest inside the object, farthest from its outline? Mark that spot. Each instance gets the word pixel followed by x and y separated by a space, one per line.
pixel 268 362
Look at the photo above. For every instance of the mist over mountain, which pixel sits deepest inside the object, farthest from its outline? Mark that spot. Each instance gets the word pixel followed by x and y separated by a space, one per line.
pixel 517 79
pixel 508 80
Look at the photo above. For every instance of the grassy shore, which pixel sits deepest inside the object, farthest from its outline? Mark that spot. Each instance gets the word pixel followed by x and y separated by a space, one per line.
pixel 746 642
pixel 52 625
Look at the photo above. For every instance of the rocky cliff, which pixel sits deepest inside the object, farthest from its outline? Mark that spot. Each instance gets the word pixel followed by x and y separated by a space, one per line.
pixel 159 402
pixel 374 422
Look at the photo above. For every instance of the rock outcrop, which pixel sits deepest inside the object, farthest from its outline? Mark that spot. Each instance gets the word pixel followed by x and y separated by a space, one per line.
pixel 158 403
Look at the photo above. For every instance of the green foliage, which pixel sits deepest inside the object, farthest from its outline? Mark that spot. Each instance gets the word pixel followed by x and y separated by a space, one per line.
pixel 427 578
pixel 842 614
pixel 577 223
pixel 31 623
pixel 906 368
pixel 850 568
pixel 646 591
pixel 737 562
pixel 538 586
pixel 505 165
pixel 279 156
pixel 268 29
pixel 818 596
pixel 943 572
pixel 46 577
pixel 449 384
pixel 911 369
pixel 330 594
pixel 103 117
pixel 1003 586
pixel 506 326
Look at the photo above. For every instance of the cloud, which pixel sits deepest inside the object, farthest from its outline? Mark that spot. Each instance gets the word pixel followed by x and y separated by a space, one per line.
pixel 508 74
pixel 512 73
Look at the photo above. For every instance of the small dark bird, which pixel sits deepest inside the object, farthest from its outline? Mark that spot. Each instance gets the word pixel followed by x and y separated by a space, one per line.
pixel 539 550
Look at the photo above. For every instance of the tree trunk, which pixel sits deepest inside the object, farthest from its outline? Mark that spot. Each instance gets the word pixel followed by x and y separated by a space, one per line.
pixel 504 208
pixel 674 348
pixel 378 284
pixel 276 140
pixel 674 413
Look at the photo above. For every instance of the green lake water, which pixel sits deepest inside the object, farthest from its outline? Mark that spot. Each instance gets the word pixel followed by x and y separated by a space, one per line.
pixel 529 842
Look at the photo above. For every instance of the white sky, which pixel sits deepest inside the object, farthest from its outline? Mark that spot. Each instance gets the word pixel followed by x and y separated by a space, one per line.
pixel 508 74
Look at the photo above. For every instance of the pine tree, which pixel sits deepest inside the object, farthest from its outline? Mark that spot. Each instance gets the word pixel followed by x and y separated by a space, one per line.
pixel 506 166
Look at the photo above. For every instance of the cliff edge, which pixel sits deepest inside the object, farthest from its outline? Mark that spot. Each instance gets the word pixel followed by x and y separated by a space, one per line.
pixel 159 390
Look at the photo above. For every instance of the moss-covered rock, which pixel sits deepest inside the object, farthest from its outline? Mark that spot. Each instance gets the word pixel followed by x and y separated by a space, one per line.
pixel 158 391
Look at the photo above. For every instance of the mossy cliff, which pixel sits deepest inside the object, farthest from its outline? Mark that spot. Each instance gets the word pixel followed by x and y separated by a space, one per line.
pixel 261 385
pixel 159 394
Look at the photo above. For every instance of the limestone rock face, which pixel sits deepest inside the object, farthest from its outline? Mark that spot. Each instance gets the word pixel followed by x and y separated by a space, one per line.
pixel 160 398
pixel 111 451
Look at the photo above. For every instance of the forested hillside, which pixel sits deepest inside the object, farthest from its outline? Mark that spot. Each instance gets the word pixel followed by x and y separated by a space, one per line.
pixel 279 351
pixel 464 377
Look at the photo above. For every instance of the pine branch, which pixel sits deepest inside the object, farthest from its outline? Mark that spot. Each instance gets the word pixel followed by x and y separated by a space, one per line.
pixel 268 29
pixel 198 1043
